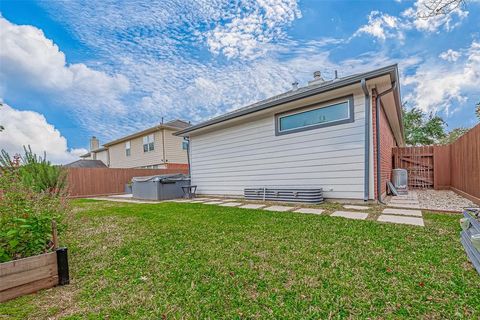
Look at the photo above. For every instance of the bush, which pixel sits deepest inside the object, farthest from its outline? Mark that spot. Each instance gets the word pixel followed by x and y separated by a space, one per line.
pixel 30 199
pixel 36 172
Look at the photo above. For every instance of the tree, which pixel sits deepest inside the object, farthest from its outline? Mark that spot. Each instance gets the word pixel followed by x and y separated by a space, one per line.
pixel 422 129
pixel 453 135
pixel 477 110
pixel 1 127
pixel 432 8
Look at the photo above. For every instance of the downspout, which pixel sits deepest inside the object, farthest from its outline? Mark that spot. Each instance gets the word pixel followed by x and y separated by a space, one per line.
pixel 377 129
pixel 163 147
pixel 188 155
pixel 366 186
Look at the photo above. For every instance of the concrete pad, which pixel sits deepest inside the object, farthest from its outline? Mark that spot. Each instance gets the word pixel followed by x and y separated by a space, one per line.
pixel 122 196
pixel 403 212
pixel 309 210
pixel 252 206
pixel 401 220
pixel 230 204
pixel 354 207
pixel 408 206
pixel 350 215
pixel 180 200
pixel 278 208
pixel 399 201
pixel 213 202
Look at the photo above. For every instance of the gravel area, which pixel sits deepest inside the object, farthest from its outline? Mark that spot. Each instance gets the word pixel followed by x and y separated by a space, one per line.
pixel 443 200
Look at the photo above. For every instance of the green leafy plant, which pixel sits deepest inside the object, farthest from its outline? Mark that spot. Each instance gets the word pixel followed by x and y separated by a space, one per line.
pixel 477 110
pixel 36 171
pixel 422 129
pixel 453 135
pixel 32 195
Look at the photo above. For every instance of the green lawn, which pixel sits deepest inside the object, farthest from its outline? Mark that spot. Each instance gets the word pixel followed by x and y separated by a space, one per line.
pixel 174 260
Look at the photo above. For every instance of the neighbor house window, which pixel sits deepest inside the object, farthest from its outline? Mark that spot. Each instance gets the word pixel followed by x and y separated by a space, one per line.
pixel 317 116
pixel 148 143
pixel 128 149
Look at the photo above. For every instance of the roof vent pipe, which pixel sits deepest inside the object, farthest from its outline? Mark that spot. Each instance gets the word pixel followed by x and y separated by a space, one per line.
pixel 336 74
pixel 317 75
pixel 295 85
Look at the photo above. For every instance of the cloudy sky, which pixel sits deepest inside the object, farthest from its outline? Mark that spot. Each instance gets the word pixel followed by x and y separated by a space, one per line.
pixel 72 69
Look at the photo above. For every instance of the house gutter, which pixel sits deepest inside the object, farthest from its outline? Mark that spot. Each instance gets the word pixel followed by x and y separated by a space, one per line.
pixel 355 79
pixel 366 186
pixel 377 129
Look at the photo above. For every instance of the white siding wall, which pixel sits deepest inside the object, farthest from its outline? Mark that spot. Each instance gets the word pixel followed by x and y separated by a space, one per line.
pixel 225 161
pixel 103 156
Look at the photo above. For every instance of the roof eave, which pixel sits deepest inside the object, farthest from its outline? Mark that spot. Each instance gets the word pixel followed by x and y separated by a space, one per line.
pixel 392 70
pixel 140 133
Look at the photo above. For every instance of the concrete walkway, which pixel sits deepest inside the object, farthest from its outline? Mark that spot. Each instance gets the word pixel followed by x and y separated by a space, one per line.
pixel 392 214
pixel 403 209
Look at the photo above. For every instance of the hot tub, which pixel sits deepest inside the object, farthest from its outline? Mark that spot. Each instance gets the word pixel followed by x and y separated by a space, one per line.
pixel 160 187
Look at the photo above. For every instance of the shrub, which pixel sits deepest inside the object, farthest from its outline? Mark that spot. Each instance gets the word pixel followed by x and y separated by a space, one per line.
pixel 31 197
pixel 36 172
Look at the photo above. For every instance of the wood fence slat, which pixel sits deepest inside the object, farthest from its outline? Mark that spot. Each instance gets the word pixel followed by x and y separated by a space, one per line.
pixel 465 164
pixel 455 166
pixel 418 161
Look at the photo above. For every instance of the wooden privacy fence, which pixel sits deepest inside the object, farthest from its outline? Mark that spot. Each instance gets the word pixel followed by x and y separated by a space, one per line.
pixel 418 161
pixel 87 182
pixel 465 165
pixel 455 166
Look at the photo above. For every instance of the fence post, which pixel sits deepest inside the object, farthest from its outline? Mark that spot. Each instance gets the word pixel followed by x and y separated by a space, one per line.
pixel 62 266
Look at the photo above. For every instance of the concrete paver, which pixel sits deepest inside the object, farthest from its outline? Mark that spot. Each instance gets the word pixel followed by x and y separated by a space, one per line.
pixel 401 220
pixel 279 208
pixel 355 207
pixel 350 215
pixel 403 212
pixel 230 204
pixel 252 206
pixel 309 210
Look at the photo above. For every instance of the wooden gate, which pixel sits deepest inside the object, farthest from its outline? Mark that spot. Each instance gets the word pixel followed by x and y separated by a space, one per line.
pixel 418 161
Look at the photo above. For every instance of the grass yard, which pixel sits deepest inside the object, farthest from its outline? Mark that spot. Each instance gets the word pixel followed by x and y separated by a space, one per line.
pixel 175 260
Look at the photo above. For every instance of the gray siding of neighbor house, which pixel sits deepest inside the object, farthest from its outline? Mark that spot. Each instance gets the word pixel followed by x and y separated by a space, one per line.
pixel 227 160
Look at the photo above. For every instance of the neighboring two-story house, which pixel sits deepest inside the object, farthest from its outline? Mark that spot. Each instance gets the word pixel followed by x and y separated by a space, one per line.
pixel 152 148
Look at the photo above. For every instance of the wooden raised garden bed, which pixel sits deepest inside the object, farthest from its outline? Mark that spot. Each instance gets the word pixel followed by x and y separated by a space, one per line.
pixel 28 275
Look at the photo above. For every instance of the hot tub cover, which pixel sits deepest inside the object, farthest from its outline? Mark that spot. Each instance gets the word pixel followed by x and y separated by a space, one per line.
pixel 163 178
